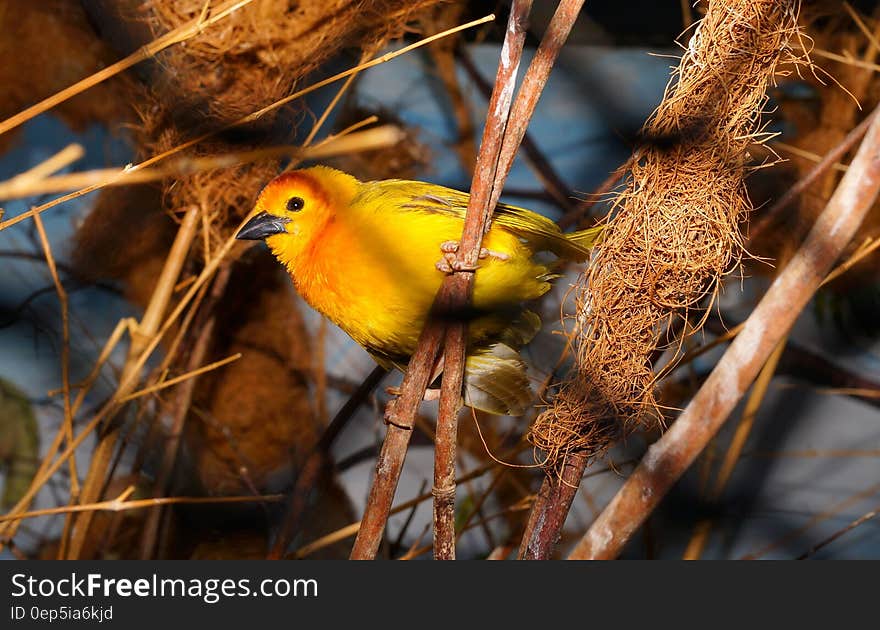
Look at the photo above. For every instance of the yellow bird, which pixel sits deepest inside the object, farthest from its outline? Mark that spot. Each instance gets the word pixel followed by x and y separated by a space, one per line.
pixel 370 256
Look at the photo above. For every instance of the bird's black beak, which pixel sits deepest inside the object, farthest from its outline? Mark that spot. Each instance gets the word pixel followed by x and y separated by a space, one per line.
pixel 261 226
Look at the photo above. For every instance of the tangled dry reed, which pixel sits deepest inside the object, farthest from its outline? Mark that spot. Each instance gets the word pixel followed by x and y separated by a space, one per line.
pixel 674 229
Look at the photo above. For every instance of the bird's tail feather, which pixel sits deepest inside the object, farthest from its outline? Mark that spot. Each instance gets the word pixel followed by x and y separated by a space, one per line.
pixel 495 381
pixel 585 239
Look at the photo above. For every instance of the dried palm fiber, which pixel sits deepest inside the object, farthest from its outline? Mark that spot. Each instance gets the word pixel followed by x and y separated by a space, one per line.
pixel 47 46
pixel 674 230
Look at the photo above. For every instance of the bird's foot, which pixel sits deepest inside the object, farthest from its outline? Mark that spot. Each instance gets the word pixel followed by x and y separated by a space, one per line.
pixel 430 394
pixel 449 263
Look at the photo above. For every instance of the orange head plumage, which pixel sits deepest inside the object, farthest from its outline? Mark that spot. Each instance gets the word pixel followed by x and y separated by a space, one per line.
pixel 296 207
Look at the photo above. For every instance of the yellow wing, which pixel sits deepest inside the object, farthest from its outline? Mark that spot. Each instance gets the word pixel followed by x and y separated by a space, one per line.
pixel 540 232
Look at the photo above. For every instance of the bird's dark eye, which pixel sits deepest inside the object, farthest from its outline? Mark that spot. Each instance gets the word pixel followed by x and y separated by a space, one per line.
pixel 295 204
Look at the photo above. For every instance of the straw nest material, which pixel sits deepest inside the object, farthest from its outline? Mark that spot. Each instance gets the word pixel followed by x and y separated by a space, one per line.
pixel 253 57
pixel 674 230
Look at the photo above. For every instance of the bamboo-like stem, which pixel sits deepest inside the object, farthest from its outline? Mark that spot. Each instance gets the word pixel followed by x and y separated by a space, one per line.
pixel 65 363
pixel 368 140
pixel 399 417
pixel 120 504
pixel 458 286
pixel 671 455
pixel 140 341
pixel 176 36
pixel 179 411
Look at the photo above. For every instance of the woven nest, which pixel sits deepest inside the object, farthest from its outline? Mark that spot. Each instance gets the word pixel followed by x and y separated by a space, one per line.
pixel 253 57
pixel 674 229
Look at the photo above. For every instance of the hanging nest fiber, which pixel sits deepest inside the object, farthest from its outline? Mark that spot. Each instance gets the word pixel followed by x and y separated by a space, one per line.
pixel 675 227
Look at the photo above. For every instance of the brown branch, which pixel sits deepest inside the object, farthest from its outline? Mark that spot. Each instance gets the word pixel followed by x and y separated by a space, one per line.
pixel 557 492
pixel 501 140
pixel 551 508
pixel 400 413
pixel 489 175
pixel 673 453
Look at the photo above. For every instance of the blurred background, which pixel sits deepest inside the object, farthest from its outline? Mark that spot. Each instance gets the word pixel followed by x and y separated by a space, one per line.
pixel 811 461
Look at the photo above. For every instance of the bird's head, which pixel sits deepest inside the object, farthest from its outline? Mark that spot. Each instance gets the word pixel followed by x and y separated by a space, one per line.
pixel 294 208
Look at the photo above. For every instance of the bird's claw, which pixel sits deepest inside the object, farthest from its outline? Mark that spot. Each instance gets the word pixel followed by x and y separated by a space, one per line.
pixel 449 263
pixel 430 394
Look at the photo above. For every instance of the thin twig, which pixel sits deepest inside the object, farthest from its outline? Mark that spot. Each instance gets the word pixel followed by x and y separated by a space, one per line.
pixel 179 410
pixel 65 157
pixel 837 508
pixel 65 370
pixel 673 453
pixel 827 541
pixel 369 140
pixel 120 504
